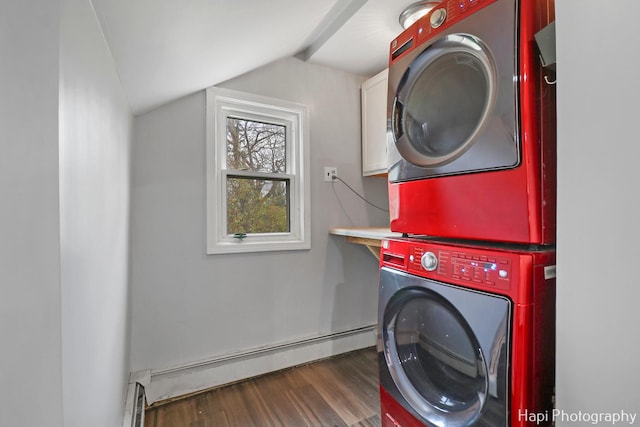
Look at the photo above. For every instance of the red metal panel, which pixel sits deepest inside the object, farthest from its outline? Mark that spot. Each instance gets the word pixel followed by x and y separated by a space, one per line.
pixel 393 414
pixel 480 206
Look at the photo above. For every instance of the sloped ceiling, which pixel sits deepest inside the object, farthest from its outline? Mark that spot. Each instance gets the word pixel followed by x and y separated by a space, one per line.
pixel 165 49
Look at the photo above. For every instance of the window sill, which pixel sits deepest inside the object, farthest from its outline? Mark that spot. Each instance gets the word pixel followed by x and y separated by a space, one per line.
pixel 245 246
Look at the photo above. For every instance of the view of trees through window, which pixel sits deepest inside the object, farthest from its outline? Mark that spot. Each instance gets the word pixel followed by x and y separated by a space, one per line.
pixel 257 200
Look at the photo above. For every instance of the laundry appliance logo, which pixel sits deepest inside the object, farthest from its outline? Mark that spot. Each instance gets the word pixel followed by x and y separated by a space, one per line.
pixel 582 417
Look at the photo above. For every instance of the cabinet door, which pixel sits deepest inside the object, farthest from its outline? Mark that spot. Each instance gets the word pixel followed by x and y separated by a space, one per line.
pixel 374 125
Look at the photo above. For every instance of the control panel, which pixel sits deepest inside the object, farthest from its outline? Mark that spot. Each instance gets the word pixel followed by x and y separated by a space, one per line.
pixel 445 14
pixel 461 265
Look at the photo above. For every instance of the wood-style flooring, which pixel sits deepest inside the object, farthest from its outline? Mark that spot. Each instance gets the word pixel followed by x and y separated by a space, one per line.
pixel 339 391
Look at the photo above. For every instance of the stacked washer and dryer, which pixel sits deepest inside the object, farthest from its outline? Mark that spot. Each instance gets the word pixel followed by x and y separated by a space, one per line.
pixel 467 296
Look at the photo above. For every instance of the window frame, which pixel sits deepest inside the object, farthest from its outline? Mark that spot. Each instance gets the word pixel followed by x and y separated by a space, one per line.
pixel 223 103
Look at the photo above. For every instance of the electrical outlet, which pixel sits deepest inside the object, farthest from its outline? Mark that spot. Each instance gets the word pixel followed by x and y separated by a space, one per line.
pixel 329 173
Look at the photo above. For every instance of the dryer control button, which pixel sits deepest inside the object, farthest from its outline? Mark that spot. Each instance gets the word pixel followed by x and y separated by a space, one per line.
pixel 503 274
pixel 437 17
pixel 429 261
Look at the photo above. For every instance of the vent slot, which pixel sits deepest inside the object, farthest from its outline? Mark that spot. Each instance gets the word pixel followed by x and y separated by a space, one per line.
pixel 393 259
pixel 402 49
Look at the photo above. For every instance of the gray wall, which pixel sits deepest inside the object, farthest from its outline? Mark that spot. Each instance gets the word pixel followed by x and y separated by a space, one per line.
pixel 64 182
pixel 598 207
pixel 188 306
pixel 95 144
pixel 30 330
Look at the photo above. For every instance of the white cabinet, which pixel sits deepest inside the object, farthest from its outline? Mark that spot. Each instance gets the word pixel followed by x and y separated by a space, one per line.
pixel 374 125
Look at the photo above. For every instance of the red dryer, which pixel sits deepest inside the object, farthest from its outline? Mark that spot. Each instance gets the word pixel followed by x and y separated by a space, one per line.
pixel 471 122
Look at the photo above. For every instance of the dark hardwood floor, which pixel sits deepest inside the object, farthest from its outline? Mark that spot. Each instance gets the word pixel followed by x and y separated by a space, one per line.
pixel 340 391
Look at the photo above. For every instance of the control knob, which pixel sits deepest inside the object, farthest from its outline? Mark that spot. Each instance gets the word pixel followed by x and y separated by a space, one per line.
pixel 438 17
pixel 429 261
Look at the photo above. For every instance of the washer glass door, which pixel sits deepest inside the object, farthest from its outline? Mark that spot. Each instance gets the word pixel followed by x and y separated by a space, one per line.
pixel 439 366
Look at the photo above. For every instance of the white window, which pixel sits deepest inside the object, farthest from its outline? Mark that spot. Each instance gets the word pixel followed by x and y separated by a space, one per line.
pixel 257 173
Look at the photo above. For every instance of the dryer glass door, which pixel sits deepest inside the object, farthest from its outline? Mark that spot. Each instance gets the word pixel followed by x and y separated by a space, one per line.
pixel 443 100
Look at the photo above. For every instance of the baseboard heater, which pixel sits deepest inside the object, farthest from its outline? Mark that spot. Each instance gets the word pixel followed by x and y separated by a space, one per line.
pixel 261 350
pixel 137 418
pixel 168 383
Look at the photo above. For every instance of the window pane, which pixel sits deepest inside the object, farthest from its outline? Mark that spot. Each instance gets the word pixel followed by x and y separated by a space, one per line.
pixel 257 205
pixel 255 146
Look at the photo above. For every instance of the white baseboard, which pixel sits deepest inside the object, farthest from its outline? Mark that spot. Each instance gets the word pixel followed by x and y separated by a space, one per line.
pixel 181 380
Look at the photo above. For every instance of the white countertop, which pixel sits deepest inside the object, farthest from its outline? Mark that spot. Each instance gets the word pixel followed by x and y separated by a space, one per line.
pixel 364 232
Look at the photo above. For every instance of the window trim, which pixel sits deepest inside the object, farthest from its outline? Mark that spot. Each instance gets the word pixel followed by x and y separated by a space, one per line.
pixel 222 103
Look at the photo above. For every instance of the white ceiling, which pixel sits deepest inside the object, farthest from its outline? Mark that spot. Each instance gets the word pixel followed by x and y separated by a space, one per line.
pixel 165 49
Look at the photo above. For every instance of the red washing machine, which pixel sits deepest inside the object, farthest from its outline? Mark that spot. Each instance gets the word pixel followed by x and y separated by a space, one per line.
pixel 466 334
pixel 471 124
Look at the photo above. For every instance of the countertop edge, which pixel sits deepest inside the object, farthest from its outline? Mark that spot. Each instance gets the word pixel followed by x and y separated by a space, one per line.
pixel 364 232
